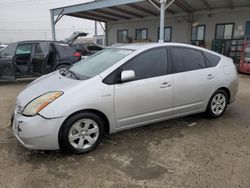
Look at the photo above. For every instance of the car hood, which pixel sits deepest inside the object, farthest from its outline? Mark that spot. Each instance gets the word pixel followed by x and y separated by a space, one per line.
pixel 51 82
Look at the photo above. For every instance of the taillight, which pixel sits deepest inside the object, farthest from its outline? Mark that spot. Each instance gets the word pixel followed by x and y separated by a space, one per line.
pixel 78 54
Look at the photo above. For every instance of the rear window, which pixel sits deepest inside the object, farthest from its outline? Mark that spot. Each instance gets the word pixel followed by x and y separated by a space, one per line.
pixel 186 59
pixel 65 50
pixel 212 59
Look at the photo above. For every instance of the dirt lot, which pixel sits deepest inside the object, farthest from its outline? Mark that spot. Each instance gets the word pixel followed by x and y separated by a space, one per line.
pixel 187 152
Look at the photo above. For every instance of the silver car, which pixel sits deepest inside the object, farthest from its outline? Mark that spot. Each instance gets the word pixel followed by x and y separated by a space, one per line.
pixel 121 88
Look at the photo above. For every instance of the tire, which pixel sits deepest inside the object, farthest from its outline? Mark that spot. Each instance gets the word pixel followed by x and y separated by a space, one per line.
pixel 217 104
pixel 61 66
pixel 81 133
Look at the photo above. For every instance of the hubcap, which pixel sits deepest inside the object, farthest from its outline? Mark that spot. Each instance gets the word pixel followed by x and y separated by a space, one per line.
pixel 218 104
pixel 83 134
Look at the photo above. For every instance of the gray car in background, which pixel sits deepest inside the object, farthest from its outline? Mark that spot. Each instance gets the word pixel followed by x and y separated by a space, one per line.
pixel 121 88
pixel 35 58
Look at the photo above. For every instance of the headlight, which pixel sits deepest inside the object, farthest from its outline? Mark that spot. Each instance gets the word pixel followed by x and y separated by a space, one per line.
pixel 39 103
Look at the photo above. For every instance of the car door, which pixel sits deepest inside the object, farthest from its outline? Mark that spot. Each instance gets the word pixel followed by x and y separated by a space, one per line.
pixel 40 59
pixel 193 81
pixel 148 97
pixel 23 59
pixel 6 62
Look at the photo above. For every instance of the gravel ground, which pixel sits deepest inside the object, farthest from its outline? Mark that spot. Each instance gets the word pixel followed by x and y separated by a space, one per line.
pixel 186 152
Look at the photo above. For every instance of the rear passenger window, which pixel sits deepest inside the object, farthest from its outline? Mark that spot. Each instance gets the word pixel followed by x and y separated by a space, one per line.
pixel 42 48
pixel 38 50
pixel 185 59
pixel 212 59
pixel 152 63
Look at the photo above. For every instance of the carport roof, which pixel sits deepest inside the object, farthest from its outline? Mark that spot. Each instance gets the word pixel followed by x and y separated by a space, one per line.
pixel 114 10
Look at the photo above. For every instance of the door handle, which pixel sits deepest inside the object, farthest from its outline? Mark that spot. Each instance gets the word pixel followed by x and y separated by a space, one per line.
pixel 210 77
pixel 165 84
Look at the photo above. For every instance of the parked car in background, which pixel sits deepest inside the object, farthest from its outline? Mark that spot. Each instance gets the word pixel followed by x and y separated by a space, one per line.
pixel 88 48
pixel 121 88
pixel 35 58
pixel 85 48
pixel 72 38
pixel 2 46
pixel 245 58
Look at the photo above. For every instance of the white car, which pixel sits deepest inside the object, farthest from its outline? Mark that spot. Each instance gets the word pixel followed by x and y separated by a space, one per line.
pixel 2 47
pixel 121 88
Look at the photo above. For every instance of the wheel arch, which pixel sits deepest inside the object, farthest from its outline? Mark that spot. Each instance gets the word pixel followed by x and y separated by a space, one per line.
pixel 227 92
pixel 94 111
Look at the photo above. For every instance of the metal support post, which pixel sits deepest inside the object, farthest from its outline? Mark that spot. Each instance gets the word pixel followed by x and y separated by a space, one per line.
pixel 53 30
pixel 162 20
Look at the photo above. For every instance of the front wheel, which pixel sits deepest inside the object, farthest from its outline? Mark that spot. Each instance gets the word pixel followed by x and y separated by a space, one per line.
pixel 82 133
pixel 217 104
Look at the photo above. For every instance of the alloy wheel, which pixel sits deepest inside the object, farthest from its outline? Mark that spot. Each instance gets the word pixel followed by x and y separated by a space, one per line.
pixel 83 134
pixel 218 104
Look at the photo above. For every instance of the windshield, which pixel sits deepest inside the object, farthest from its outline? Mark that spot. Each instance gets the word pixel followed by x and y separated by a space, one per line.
pixel 99 62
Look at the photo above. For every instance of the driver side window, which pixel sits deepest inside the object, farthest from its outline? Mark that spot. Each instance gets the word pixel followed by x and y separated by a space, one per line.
pixel 149 64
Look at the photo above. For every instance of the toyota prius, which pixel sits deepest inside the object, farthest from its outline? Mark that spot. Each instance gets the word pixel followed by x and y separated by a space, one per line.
pixel 121 88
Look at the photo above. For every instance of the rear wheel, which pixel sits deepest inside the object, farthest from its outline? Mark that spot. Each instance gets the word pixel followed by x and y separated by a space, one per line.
pixel 217 104
pixel 82 133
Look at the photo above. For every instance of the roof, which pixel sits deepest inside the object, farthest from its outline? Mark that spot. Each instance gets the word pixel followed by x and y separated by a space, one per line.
pixel 135 46
pixel 38 41
pixel 115 10
pixel 138 46
pixel 144 46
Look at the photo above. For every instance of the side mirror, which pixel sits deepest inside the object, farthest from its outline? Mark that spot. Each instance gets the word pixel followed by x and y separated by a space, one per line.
pixel 127 75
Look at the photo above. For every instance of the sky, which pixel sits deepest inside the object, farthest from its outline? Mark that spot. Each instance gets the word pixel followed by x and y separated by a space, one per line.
pixel 30 20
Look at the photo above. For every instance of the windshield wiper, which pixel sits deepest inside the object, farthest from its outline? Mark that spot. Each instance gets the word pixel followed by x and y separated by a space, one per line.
pixel 75 74
pixel 66 71
pixel 63 71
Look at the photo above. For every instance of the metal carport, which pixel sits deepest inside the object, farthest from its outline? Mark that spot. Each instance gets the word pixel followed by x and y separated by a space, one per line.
pixel 114 10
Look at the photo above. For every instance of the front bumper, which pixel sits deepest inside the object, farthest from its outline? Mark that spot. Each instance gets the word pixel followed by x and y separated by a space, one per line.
pixel 36 133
